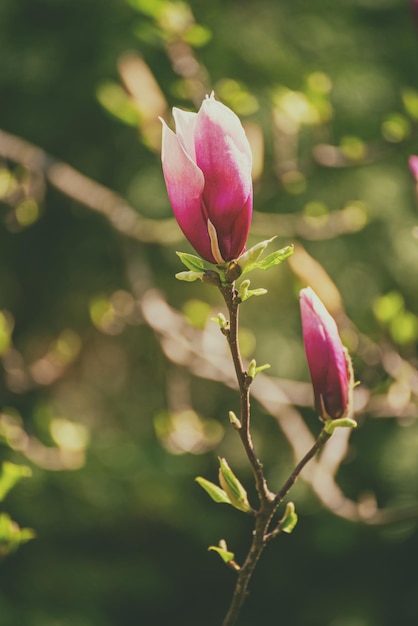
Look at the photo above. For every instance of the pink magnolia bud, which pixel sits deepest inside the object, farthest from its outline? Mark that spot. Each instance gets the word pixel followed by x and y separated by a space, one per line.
pixel 326 357
pixel 413 166
pixel 207 170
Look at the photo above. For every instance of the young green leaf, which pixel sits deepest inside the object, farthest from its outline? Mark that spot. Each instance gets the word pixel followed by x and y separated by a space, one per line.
pixel 247 260
pixel 253 370
pixel 225 555
pixel 10 475
pixel 261 368
pixel 244 292
pixel 275 258
pixel 191 261
pixel 289 519
pixel 189 276
pixel 221 320
pixel 235 422
pixel 216 493
pixel 252 366
pixel 233 488
pixel 11 535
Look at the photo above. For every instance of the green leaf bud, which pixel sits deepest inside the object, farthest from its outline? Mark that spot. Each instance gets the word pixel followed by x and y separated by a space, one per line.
pixel 233 488
pixel 216 493
pixel 252 368
pixel 191 261
pixel 234 421
pixel 226 555
pixel 244 292
pixel 289 519
pixel 221 320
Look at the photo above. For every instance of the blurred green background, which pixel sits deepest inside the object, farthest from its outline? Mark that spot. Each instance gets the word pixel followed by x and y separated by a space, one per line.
pixel 103 393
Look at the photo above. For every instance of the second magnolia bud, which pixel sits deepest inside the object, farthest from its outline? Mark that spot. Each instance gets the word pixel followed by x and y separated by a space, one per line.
pixel 328 361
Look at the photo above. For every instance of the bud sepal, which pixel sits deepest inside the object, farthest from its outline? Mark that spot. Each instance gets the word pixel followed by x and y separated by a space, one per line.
pixel 344 422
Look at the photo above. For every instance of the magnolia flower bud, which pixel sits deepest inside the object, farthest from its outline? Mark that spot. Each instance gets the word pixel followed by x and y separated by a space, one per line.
pixel 207 170
pixel 327 358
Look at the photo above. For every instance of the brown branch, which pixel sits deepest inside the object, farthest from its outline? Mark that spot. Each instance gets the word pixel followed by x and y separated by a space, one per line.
pixel 244 382
pixel 264 514
pixel 245 573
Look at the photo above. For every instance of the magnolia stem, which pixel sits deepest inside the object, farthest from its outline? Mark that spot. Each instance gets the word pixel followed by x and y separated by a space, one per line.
pixel 317 446
pixel 269 503
pixel 244 381
pixel 244 575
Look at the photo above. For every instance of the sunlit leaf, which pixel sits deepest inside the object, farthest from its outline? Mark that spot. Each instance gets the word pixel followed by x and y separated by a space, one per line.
pixel 290 519
pixel 244 293
pixel 261 368
pixel 247 260
pixel 275 258
pixel 221 320
pixel 10 475
pixel 225 555
pixel 191 261
pixel 189 277
pixel 11 535
pixel 216 493
pixel 232 487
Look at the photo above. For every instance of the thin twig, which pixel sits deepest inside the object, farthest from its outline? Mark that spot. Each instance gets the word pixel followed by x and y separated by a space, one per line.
pixel 317 446
pixel 244 382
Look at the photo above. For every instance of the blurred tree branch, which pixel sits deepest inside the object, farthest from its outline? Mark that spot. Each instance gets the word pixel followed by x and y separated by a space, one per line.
pixel 126 220
pixel 91 194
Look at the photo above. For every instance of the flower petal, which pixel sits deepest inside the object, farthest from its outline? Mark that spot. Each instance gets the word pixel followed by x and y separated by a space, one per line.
pixel 325 355
pixel 185 130
pixel 224 156
pixel 185 183
pixel 232 236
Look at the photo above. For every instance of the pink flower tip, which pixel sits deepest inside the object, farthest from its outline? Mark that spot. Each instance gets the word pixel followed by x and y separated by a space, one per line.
pixel 327 359
pixel 207 169
pixel 413 166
